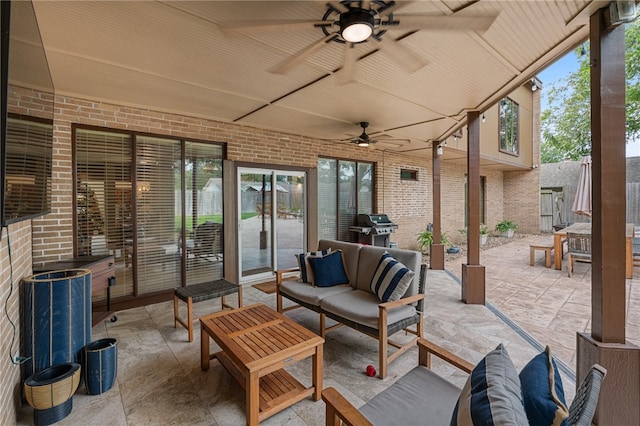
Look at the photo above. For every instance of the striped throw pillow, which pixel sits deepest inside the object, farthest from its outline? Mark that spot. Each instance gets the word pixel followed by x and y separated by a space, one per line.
pixel 391 279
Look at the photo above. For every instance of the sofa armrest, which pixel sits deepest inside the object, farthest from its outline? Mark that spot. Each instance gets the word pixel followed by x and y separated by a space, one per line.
pixel 401 302
pixel 426 348
pixel 339 409
pixel 280 273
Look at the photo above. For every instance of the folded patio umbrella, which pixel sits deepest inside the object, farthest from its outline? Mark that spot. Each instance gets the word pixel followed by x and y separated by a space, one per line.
pixel 582 202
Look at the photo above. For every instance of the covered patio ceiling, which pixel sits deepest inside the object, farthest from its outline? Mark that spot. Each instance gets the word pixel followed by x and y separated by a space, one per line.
pixel 174 56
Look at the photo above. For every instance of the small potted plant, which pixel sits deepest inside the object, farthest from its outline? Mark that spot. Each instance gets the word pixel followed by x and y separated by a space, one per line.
pixel 484 234
pixel 425 239
pixel 506 228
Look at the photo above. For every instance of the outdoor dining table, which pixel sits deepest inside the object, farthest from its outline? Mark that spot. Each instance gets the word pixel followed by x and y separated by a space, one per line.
pixel 585 228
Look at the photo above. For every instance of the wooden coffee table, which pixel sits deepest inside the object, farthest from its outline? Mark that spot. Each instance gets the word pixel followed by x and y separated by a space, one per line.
pixel 257 343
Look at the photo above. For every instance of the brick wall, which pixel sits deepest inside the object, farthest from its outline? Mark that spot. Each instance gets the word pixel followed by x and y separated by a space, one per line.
pixel 12 273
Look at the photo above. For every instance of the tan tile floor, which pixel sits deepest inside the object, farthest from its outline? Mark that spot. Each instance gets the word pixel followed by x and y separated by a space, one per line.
pixel 160 382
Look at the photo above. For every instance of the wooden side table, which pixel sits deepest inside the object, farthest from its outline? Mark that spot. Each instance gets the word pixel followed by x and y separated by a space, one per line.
pixel 257 343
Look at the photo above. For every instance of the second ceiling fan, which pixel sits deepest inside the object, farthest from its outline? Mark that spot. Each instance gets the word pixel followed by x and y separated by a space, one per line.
pixel 352 22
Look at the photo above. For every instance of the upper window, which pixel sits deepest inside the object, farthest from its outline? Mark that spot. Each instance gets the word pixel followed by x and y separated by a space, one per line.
pixel 509 127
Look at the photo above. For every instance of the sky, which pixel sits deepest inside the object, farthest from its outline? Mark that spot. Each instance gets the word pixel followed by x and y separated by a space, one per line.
pixel 561 69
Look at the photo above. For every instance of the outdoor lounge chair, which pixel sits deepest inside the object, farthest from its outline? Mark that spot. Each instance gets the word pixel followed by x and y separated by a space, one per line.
pixel 423 397
pixel 578 249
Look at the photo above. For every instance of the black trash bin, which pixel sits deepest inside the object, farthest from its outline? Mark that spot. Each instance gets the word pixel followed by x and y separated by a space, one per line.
pixel 100 365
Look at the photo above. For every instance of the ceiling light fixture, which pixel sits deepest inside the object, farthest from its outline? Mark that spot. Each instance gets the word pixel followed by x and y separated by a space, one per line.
pixel 356 25
pixel 363 143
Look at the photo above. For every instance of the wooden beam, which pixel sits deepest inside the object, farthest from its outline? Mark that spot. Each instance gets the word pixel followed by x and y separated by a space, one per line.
pixel 437 249
pixel 609 180
pixel 473 274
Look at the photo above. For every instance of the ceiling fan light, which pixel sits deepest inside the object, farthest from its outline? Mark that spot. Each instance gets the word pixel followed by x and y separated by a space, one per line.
pixel 356 25
pixel 363 143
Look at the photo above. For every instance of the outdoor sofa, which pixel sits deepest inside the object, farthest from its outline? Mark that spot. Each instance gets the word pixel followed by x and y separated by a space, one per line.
pixel 494 393
pixel 350 300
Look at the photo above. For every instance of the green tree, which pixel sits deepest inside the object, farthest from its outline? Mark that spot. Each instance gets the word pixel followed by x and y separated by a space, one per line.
pixel 566 123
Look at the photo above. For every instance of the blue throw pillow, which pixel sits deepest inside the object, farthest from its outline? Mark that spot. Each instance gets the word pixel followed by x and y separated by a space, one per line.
pixel 329 270
pixel 391 279
pixel 306 273
pixel 542 391
pixel 491 395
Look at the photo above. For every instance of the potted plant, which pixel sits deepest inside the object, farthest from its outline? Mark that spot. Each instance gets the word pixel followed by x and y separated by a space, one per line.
pixel 484 234
pixel 425 239
pixel 506 228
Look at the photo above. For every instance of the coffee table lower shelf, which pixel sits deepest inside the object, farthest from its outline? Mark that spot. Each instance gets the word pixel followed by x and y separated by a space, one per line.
pixel 278 390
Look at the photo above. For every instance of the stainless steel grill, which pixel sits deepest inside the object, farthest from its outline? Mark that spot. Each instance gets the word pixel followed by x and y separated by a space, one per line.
pixel 374 229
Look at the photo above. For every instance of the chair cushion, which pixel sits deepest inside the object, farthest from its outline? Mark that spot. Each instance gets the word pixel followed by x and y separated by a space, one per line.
pixel 306 273
pixel 420 397
pixel 361 307
pixel 309 294
pixel 542 391
pixel 391 279
pixel 329 270
pixel 491 395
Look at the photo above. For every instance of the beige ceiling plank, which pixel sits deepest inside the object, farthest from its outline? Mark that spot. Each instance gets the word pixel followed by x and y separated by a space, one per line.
pixel 491 50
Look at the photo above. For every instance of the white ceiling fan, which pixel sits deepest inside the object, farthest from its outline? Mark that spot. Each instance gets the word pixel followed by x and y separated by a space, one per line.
pixel 351 22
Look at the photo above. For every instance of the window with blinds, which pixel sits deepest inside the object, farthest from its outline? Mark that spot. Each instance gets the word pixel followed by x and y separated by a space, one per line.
pixel 27 168
pixel 104 200
pixel 203 208
pixel 157 194
pixel 345 188
pixel 327 199
pixel 141 199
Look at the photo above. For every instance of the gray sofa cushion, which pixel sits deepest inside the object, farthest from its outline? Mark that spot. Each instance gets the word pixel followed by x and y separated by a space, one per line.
pixel 309 294
pixel 420 397
pixel 350 253
pixel 362 307
pixel 369 258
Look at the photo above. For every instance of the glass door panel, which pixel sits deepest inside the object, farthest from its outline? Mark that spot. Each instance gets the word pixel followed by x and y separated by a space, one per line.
pixel 255 222
pixel 290 201
pixel 271 220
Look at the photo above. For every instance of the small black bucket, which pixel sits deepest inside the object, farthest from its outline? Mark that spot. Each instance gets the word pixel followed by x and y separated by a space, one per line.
pixel 101 365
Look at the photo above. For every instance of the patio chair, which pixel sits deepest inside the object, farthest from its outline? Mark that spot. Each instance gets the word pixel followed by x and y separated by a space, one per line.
pixel 578 249
pixel 636 251
pixel 207 242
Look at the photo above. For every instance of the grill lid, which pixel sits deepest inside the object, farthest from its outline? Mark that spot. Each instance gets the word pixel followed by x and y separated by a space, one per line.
pixel 373 220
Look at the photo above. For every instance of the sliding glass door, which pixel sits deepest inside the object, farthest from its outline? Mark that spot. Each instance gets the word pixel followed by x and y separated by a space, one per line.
pixel 271 219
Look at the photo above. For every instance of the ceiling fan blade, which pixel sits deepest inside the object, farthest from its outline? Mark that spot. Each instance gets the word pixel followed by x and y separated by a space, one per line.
pixel 391 6
pixel 443 23
pixel 293 60
pixel 406 59
pixel 273 26
pixel 345 75
pixel 338 6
